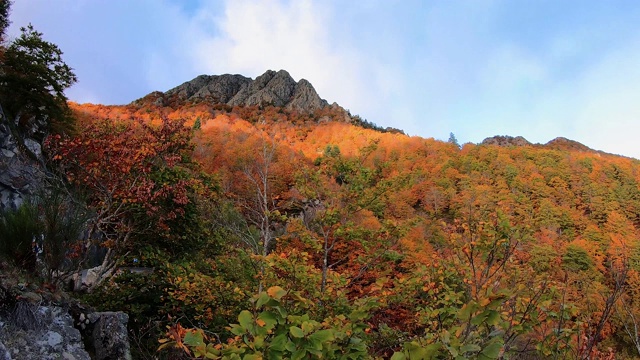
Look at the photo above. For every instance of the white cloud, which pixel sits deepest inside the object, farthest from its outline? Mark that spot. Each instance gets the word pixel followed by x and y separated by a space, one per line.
pixel 254 36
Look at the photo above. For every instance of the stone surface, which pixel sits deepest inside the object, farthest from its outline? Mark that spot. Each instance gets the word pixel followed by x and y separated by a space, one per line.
pixel 86 279
pixel 110 336
pixel 215 88
pixel 30 331
pixel 4 353
pixel 34 147
pixel 20 175
pixel 305 98
pixel 54 337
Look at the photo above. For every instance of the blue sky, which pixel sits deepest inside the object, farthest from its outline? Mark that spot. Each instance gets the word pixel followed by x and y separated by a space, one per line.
pixel 535 68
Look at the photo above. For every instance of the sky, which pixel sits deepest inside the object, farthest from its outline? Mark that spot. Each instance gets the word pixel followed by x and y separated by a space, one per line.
pixel 475 68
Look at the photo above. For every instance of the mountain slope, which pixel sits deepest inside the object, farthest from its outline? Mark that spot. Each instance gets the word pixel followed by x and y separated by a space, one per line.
pixel 529 241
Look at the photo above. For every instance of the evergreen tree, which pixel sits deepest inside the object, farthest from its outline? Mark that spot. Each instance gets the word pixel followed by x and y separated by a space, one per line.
pixel 33 78
pixel 453 140
pixel 5 5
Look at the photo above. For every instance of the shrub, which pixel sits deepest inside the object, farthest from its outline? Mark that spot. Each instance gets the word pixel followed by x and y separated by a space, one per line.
pixel 18 230
pixel 62 221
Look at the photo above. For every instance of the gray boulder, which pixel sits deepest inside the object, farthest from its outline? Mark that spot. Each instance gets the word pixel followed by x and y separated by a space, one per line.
pixel 4 353
pixel 85 279
pixel 110 337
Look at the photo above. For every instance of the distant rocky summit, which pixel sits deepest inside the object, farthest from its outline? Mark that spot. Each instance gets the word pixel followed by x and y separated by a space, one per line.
pixel 506 141
pixel 269 89
pixel 561 143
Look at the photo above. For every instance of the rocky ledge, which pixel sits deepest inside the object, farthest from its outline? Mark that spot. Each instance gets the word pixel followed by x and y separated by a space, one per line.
pixel 45 323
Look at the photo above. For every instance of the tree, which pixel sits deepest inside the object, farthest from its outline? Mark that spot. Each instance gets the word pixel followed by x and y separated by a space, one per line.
pixel 453 140
pixel 5 5
pixel 33 78
pixel 260 208
pixel 138 184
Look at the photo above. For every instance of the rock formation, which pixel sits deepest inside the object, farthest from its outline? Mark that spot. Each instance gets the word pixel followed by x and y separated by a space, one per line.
pixel 109 337
pixel 271 88
pixel 218 89
pixel 506 141
pixel 50 336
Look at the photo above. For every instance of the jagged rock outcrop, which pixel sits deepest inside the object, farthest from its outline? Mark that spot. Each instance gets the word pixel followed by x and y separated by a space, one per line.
pixel 47 332
pixel 49 335
pixel 271 88
pixel 215 88
pixel 306 98
pixel 4 353
pixel 506 141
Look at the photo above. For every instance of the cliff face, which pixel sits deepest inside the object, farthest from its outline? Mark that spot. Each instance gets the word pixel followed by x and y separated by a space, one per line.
pixel 271 88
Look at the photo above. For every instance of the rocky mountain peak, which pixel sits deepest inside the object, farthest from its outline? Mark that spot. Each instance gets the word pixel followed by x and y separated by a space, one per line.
pixel 271 88
pixel 506 141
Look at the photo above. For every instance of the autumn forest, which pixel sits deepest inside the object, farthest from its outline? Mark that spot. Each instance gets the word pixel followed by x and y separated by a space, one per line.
pixel 276 235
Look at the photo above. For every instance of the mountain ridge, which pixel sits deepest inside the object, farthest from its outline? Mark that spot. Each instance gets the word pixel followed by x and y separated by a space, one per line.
pixel 272 88
pixel 280 90
pixel 558 143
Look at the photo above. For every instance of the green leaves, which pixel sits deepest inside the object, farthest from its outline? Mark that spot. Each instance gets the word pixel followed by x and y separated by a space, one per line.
pixel 415 351
pixel 296 332
pixel 245 319
pixel 193 338
pixel 270 332
pixel 491 352
pixel 322 336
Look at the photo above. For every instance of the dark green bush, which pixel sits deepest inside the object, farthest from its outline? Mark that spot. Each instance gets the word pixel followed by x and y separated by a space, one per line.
pixel 62 222
pixel 18 231
pixel 49 227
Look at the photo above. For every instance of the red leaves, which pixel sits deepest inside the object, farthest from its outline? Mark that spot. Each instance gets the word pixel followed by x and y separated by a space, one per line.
pixel 119 163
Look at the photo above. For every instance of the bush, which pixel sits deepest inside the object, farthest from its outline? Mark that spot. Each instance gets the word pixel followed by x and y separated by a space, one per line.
pixel 18 231
pixel 62 222
pixel 49 227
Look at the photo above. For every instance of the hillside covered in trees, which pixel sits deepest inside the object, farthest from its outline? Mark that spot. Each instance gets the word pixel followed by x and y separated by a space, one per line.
pixel 234 218
pixel 319 237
